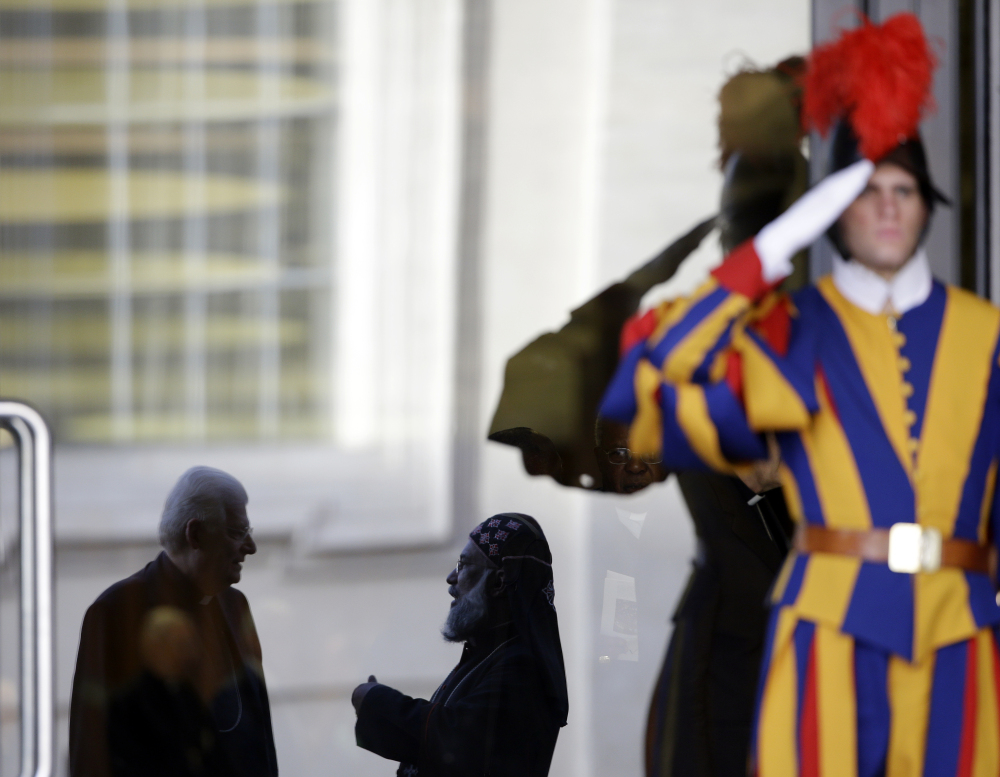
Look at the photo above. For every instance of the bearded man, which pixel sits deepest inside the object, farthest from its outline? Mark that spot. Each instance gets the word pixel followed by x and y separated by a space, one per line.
pixel 500 710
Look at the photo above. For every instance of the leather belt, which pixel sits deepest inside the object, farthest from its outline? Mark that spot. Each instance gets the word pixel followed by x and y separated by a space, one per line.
pixel 905 547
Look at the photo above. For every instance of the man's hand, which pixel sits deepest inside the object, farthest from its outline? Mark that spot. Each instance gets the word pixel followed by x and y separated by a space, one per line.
pixel 808 218
pixel 361 691
pixel 761 476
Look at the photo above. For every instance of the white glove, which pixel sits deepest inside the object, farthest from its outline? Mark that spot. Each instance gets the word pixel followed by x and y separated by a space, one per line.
pixel 808 218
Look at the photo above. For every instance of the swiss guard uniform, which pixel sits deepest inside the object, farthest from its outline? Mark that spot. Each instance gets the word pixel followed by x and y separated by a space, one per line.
pixel 881 654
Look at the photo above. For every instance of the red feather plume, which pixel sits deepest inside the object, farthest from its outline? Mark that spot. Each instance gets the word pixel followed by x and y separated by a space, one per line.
pixel 877 77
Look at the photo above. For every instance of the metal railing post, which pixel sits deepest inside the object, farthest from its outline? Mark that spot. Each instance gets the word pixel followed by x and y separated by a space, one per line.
pixel 37 692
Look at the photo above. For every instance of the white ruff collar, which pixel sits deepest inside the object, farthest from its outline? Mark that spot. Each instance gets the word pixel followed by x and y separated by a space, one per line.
pixel 909 287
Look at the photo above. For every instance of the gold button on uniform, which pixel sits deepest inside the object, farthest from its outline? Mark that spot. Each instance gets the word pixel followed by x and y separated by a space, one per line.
pixel 899 339
pixel 907 389
pixel 904 364
pixel 910 417
pixel 914 445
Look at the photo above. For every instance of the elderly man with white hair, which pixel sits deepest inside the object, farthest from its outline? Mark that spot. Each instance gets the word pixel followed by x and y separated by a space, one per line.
pixel 168 677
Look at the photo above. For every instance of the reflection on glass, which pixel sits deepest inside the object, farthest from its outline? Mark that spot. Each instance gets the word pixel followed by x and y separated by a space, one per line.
pixel 702 703
pixel 164 250
pixel 620 615
pixel 168 677
pixel 622 471
pixel 553 386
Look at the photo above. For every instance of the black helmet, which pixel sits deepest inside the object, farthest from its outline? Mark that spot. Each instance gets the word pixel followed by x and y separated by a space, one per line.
pixel 909 155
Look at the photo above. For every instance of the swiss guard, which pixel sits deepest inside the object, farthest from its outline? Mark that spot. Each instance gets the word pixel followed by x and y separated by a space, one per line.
pixel 882 387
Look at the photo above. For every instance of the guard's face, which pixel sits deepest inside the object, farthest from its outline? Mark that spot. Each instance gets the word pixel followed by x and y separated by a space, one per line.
pixel 882 227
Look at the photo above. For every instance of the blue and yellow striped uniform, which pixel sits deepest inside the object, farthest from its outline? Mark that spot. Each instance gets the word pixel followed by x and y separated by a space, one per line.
pixel 879 421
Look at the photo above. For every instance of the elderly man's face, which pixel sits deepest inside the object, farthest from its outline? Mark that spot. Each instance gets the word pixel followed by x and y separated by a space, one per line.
pixel 623 471
pixel 468 584
pixel 882 227
pixel 223 549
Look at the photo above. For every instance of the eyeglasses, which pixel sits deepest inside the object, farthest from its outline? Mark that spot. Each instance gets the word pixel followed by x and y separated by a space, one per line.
pixel 463 564
pixel 468 564
pixel 621 456
pixel 239 535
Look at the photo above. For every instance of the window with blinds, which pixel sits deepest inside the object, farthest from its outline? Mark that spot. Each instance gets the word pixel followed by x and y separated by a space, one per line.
pixel 166 217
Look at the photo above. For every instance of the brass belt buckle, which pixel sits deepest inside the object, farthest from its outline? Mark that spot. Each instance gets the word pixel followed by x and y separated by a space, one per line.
pixel 914 548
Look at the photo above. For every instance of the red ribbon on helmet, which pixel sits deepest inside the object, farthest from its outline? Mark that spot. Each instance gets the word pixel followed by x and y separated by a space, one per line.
pixel 877 77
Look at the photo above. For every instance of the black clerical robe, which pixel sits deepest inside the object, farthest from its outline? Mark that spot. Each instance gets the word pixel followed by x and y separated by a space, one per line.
pixel 490 716
pixel 127 720
pixel 702 708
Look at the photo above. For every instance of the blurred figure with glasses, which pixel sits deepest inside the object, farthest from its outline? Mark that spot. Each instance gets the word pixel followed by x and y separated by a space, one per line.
pixel 168 678
pixel 622 471
pixel 702 705
pixel 701 708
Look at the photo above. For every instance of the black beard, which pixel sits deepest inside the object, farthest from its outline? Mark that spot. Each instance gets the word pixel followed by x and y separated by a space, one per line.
pixel 468 615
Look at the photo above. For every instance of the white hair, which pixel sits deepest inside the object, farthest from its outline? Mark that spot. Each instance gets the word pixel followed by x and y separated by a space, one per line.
pixel 201 493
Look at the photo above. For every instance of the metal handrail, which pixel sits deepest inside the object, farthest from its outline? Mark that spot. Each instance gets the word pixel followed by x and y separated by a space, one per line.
pixel 37 698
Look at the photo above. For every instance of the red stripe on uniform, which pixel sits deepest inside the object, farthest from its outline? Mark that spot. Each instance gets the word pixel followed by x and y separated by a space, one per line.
pixel 636 329
pixel 809 722
pixel 826 390
pixel 968 748
pixel 776 326
pixel 734 375
pixel 741 272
